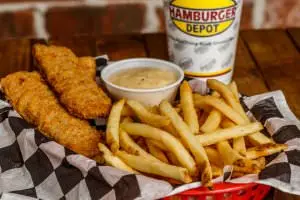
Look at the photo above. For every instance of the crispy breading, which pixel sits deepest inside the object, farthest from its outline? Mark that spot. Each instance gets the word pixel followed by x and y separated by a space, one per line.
pixel 73 80
pixel 36 103
pixel 88 66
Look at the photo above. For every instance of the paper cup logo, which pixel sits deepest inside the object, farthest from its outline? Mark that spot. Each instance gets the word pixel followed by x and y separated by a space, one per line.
pixel 203 18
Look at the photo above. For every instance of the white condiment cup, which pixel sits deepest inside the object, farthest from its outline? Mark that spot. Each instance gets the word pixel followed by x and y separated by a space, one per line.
pixel 148 97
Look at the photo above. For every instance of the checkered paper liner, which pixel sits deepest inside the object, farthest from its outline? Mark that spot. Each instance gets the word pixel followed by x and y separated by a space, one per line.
pixel 34 167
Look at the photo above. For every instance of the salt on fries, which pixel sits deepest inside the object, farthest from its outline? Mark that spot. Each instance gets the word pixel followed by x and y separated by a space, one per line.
pixel 195 138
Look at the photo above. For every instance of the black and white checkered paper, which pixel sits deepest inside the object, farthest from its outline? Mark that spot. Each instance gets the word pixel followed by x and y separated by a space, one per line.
pixel 34 167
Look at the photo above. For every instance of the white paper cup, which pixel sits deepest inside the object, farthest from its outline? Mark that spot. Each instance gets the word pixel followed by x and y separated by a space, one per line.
pixel 202 36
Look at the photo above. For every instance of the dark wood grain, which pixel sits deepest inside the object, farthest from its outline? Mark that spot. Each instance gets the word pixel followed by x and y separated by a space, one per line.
pixel 14 56
pixel 80 45
pixel 121 47
pixel 156 46
pixel 295 35
pixel 278 59
pixel 246 72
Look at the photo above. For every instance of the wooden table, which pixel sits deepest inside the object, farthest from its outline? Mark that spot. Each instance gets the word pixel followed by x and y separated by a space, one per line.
pixel 266 60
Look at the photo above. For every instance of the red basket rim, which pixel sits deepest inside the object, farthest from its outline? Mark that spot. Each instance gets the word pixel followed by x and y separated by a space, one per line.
pixel 220 188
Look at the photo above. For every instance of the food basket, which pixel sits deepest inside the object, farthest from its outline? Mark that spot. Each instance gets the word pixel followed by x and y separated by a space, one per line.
pixel 225 191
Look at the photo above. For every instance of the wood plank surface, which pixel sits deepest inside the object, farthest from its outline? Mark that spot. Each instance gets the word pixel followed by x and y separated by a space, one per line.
pixel 278 59
pixel 14 56
pixel 246 74
pixel 295 35
pixel 121 47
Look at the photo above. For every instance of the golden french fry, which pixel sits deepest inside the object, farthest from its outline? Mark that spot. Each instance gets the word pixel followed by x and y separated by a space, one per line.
pixel 131 147
pixel 237 174
pixel 170 128
pixel 172 143
pixel 228 155
pixel 99 159
pixel 112 130
pixel 127 119
pixel 234 89
pixel 127 111
pixel 215 94
pixel 265 150
pixel 216 171
pixel 172 158
pixel 146 116
pixel 189 139
pixel 246 170
pixel 114 161
pixel 214 157
pixel 228 133
pixel 187 104
pixel 255 138
pixel 261 162
pixel 158 144
pixel 158 168
pixel 238 143
pixel 154 110
pixel 219 105
pixel 247 163
pixel 226 93
pixel 212 122
pixel 156 152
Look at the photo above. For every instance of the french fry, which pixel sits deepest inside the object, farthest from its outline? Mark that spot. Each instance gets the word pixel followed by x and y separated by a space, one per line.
pixel 114 161
pixel 112 130
pixel 228 133
pixel 214 156
pixel 212 122
pixel 261 162
pixel 234 89
pixel 216 171
pixel 156 152
pixel 172 143
pixel 189 113
pixel 237 174
pixel 189 139
pixel 158 144
pixel 127 119
pixel 247 163
pixel 158 168
pixel 226 93
pixel 154 110
pixel 170 129
pixel 219 105
pixel 146 116
pixel 238 143
pixel 131 147
pixel 255 138
pixel 172 158
pixel 228 155
pixel 264 150
pixel 127 111
pixel 215 94
pixel 246 170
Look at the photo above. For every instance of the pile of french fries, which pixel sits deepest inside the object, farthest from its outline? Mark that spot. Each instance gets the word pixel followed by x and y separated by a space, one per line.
pixel 187 142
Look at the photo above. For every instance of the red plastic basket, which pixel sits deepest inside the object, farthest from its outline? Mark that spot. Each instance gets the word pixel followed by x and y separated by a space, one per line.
pixel 225 191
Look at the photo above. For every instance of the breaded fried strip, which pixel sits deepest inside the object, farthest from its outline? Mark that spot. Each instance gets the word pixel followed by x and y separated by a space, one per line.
pixel 35 102
pixel 73 79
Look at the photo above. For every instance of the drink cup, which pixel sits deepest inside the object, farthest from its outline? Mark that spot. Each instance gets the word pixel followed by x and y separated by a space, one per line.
pixel 202 36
